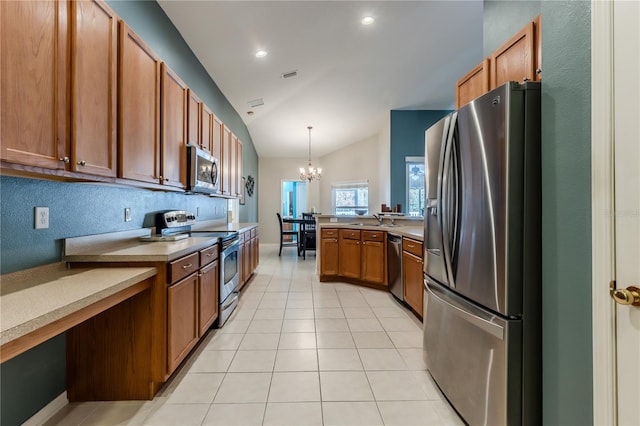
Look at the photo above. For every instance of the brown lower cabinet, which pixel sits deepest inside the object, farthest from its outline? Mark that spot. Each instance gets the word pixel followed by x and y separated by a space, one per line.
pixel 167 321
pixel 412 274
pixel 360 256
pixel 249 254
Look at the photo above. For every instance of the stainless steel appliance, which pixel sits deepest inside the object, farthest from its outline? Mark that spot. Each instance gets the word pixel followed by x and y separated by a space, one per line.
pixel 482 332
pixel 394 263
pixel 202 171
pixel 229 271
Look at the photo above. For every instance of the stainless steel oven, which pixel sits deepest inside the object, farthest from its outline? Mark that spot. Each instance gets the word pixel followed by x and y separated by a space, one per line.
pixel 229 277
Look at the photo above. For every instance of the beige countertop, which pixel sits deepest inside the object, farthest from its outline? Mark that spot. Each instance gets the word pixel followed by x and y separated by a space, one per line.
pixel 138 251
pixel 410 231
pixel 240 227
pixel 37 297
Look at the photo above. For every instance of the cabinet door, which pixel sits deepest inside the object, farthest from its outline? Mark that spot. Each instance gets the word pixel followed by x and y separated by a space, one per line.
pixel 233 171
pixel 208 296
pixel 412 278
pixel 239 167
pixel 537 27
pixel 514 60
pixel 182 320
pixel 93 88
pixel 174 128
pixel 329 256
pixel 138 109
pixel 194 121
pixel 474 84
pixel 349 259
pixel 206 126
pixel 374 262
pixel 254 254
pixel 217 137
pixel 33 88
pixel 246 259
pixel 226 161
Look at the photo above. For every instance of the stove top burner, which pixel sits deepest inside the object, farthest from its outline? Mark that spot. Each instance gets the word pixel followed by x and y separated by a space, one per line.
pixel 223 235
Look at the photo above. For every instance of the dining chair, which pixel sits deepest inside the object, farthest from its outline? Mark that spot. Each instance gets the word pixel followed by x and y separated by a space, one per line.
pixel 308 234
pixel 283 232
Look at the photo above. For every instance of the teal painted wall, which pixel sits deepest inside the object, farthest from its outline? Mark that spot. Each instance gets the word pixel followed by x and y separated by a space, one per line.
pixel 502 19
pixel 33 379
pixel 566 199
pixel 407 140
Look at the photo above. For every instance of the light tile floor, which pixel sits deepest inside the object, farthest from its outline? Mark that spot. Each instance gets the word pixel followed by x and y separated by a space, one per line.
pixel 295 352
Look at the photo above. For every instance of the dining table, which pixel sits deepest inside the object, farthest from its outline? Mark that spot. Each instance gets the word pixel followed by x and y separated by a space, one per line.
pixel 298 221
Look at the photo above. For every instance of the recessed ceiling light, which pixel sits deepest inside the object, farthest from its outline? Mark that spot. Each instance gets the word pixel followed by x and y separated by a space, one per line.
pixel 261 53
pixel 368 20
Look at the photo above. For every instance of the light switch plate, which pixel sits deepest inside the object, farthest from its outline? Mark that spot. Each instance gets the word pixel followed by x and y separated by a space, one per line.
pixel 127 214
pixel 41 218
pixel 333 219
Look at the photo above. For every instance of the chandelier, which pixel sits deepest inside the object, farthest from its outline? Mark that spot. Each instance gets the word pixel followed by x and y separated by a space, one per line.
pixel 310 173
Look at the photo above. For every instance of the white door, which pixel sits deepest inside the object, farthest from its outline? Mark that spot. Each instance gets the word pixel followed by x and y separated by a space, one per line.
pixel 615 169
pixel 626 74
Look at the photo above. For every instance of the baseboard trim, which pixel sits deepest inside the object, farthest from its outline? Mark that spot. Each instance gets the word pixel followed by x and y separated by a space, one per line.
pixel 48 411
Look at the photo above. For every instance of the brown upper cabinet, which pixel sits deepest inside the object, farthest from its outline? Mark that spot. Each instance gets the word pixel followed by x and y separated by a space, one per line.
pixel 33 119
pixel 514 60
pixel 474 84
pixel 239 167
pixel 94 88
pixel 217 137
pixel 174 129
pixel 207 128
pixel 519 59
pixel 225 160
pixel 65 48
pixel 138 109
pixel 194 121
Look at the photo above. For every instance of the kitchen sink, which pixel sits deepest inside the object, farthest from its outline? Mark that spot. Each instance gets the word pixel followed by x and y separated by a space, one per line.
pixel 365 224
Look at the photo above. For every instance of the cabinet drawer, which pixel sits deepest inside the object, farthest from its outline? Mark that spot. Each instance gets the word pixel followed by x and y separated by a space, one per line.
pixel 373 236
pixel 208 255
pixel 329 233
pixel 254 232
pixel 349 234
pixel 242 237
pixel 412 246
pixel 180 268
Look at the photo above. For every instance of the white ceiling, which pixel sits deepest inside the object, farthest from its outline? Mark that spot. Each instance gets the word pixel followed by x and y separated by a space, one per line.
pixel 349 75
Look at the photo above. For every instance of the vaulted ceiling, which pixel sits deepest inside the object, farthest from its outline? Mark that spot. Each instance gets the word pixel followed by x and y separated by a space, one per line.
pixel 349 75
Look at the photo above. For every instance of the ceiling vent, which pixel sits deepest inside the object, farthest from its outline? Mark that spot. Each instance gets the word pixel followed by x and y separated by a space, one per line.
pixel 256 103
pixel 290 74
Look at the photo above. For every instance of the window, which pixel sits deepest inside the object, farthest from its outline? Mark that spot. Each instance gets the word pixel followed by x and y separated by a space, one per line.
pixel 415 186
pixel 350 198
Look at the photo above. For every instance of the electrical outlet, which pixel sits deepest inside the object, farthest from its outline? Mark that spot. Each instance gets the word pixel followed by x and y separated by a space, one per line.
pixel 41 217
pixel 197 211
pixel 333 219
pixel 127 214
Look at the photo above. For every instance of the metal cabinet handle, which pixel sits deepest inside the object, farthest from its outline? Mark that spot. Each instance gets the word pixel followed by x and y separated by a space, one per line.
pixel 82 163
pixel 64 160
pixel 410 245
pixel 525 79
pixel 209 254
pixel 187 266
pixel 538 71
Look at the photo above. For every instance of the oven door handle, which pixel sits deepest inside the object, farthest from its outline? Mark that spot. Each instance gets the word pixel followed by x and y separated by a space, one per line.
pixel 233 297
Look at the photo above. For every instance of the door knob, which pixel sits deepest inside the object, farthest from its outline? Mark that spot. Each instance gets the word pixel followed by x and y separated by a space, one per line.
pixel 625 296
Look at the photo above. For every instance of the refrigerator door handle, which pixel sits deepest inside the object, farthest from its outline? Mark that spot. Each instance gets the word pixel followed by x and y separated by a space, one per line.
pixel 440 209
pixel 483 323
pixel 446 201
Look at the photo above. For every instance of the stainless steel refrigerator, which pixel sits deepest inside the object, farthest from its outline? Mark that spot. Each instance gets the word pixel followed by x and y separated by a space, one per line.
pixel 482 269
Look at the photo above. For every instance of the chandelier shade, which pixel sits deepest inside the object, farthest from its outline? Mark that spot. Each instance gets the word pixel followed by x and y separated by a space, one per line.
pixel 310 173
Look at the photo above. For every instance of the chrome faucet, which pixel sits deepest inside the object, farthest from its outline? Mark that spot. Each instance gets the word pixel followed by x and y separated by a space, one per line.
pixel 378 218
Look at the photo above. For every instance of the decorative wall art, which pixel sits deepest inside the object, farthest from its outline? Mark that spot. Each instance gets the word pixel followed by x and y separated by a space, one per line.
pixel 250 185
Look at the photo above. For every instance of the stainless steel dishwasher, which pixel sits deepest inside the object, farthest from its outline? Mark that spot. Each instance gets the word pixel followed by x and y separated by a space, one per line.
pixel 394 259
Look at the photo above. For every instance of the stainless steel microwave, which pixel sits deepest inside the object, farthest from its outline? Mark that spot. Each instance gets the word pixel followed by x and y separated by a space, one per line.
pixel 203 171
